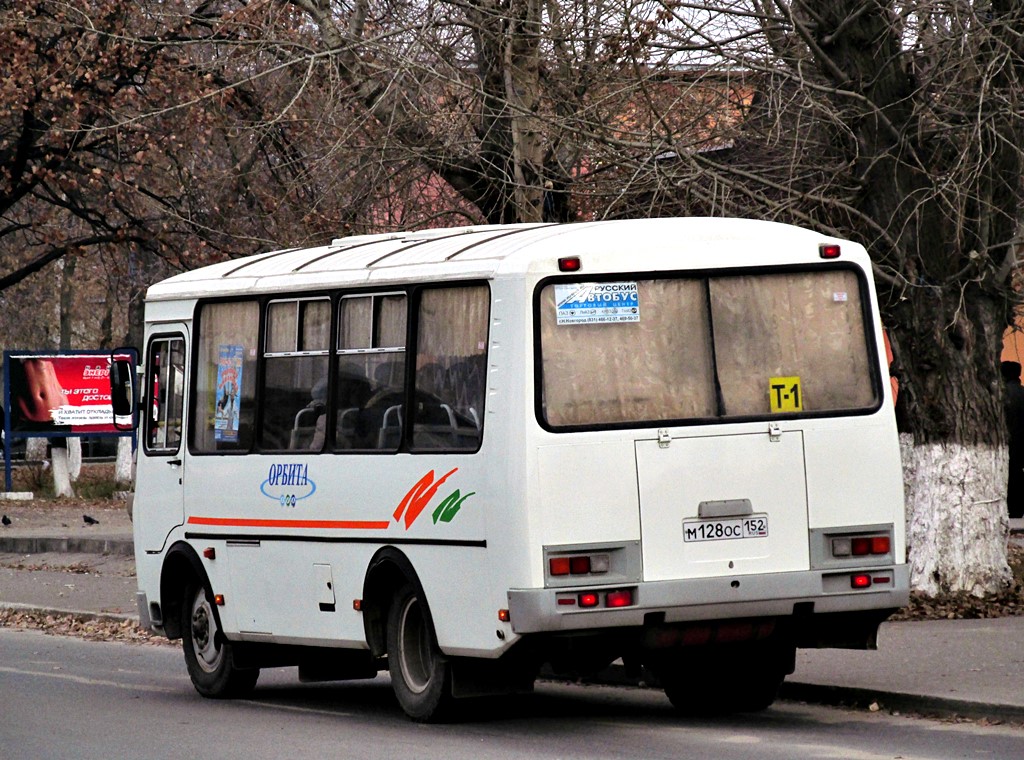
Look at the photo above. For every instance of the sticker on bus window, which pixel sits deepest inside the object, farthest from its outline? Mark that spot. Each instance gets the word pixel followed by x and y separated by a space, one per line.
pixel 785 394
pixel 228 397
pixel 583 303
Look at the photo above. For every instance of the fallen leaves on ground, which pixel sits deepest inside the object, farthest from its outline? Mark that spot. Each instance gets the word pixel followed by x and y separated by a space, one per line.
pixel 80 626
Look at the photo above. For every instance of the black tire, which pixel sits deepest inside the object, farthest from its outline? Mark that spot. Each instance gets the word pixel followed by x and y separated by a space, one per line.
pixel 208 654
pixel 420 673
pixel 750 694
pixel 698 690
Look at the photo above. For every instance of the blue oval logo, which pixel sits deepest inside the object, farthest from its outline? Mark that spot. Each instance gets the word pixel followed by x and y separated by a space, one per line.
pixel 288 484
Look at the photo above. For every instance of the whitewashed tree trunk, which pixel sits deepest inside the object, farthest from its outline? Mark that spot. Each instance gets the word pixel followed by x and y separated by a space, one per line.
pixel 61 467
pixel 74 458
pixel 35 449
pixel 957 524
pixel 123 463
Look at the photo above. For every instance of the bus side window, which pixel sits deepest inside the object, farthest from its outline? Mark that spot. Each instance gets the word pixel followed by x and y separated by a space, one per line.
pixel 370 387
pixel 294 393
pixel 165 387
pixel 451 360
pixel 225 377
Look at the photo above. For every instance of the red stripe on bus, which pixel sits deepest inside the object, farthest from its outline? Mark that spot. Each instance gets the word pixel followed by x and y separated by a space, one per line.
pixel 236 522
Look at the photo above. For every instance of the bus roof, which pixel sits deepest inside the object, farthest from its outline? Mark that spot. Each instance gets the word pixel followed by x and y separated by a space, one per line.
pixel 482 252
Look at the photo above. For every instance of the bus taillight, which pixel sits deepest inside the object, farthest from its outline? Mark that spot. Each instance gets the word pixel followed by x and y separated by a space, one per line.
pixel 579 564
pixel 861 546
pixel 621 598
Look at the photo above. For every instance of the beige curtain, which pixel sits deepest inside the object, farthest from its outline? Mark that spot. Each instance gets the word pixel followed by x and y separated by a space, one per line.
pixel 657 368
pixel 806 325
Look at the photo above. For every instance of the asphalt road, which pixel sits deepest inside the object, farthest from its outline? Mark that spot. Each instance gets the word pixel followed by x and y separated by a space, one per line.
pixel 67 698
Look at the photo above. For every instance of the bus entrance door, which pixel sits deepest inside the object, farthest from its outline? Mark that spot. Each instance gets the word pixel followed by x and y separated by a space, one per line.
pixel 161 507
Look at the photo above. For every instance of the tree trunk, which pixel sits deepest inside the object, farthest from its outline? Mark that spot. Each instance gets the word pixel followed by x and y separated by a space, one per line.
pixel 61 472
pixel 522 92
pixel 123 463
pixel 74 458
pixel 956 516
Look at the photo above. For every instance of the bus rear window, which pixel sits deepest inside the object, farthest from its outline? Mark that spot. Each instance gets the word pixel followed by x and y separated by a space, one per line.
pixel 678 349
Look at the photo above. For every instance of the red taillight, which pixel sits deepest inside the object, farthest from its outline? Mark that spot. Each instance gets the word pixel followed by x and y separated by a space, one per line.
pixel 559 565
pixel 589 599
pixel 622 598
pixel 579 565
pixel 861 580
pixel 861 546
pixel 569 264
pixel 827 251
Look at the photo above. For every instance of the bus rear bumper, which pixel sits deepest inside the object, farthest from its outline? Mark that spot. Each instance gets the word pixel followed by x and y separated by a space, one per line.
pixel 728 597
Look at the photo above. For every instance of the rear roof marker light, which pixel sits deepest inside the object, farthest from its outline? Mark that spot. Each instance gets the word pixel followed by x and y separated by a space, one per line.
pixel 569 264
pixel 828 251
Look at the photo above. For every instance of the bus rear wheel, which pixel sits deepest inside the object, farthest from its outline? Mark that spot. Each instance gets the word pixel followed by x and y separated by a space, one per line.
pixel 420 673
pixel 208 655
pixel 749 693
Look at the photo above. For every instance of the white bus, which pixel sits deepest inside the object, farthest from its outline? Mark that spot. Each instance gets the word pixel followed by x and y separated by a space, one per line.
pixel 463 455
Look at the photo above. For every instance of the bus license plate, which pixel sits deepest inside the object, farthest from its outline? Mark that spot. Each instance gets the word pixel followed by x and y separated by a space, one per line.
pixel 754 526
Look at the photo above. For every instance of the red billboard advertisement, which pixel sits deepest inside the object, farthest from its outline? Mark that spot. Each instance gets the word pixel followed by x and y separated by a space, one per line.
pixel 60 394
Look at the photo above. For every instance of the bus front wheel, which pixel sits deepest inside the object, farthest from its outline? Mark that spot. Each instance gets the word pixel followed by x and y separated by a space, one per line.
pixel 207 652
pixel 420 673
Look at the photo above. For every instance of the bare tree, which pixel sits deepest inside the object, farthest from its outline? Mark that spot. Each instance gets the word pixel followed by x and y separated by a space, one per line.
pixel 192 130
pixel 899 124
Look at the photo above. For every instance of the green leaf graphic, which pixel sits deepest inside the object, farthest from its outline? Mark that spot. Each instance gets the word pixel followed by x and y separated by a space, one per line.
pixel 450 507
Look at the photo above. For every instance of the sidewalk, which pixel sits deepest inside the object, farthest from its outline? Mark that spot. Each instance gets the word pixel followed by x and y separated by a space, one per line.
pixel 969 668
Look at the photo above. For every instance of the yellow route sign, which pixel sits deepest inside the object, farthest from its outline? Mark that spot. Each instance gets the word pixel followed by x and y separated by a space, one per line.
pixel 785 394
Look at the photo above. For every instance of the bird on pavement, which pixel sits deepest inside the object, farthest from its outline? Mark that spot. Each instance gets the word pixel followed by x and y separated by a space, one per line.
pixel 6 521
pixel 90 520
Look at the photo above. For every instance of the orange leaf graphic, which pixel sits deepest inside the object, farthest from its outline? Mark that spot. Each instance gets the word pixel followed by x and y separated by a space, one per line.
pixel 416 500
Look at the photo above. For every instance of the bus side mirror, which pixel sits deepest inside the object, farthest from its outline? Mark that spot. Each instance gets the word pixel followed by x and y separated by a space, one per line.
pixel 122 388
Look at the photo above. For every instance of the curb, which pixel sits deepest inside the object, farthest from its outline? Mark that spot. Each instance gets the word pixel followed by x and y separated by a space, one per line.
pixel 76 545
pixel 840 696
pixel 106 617
pixel 941 707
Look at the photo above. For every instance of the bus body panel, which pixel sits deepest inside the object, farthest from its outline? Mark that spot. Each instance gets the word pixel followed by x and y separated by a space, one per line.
pixel 855 471
pixel 723 505
pixel 587 492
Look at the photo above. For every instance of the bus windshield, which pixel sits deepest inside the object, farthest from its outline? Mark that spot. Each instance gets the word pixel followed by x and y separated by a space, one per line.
pixel 649 351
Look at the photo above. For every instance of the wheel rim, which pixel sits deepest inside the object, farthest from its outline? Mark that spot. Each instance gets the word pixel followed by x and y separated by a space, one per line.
pixel 207 648
pixel 416 651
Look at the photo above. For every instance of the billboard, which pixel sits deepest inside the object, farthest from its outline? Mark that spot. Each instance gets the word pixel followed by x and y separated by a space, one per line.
pixel 59 394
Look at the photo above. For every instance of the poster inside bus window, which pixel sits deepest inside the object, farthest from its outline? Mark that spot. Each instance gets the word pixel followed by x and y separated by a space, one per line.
pixel 229 382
